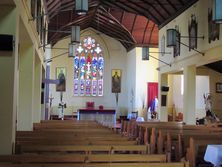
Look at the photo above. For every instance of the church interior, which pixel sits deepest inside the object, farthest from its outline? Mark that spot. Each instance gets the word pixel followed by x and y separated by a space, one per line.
pixel 116 83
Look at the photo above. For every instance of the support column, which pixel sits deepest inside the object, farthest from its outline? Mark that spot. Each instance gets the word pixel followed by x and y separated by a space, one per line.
pixel 163 110
pixel 48 55
pixel 8 69
pixel 189 99
pixel 37 90
pixel 26 86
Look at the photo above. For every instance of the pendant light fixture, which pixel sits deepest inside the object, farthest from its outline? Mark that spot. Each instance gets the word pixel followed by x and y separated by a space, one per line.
pixel 217 11
pixel 171 37
pixel 75 34
pixel 72 49
pixel 81 7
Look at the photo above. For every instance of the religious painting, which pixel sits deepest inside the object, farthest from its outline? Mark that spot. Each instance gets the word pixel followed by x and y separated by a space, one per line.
pixel 116 81
pixel 213 28
pixel 61 76
pixel 162 45
pixel 33 8
pixel 176 49
pixel 218 87
pixel 192 30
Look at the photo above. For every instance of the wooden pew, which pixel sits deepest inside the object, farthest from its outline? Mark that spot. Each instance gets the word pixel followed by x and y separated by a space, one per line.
pixel 87 149
pixel 68 121
pixel 81 158
pixel 43 126
pixel 175 142
pixel 195 143
pixel 77 142
pixel 71 136
pixel 31 145
pixel 163 137
pixel 141 164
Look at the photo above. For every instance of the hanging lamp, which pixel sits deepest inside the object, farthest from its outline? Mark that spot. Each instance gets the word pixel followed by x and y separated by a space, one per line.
pixel 217 11
pixel 145 53
pixel 171 37
pixel 75 34
pixel 72 49
pixel 81 7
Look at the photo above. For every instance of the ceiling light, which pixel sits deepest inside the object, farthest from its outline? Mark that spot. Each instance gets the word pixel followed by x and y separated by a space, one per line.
pixel 217 11
pixel 75 34
pixel 81 7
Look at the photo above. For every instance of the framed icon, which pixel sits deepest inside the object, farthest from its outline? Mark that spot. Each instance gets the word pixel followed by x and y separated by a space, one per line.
pixel 116 81
pixel 218 87
pixel 61 76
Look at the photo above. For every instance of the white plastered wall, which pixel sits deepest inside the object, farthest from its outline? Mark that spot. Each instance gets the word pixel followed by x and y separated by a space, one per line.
pixel 213 50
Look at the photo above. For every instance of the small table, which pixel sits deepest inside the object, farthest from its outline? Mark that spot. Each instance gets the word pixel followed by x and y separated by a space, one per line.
pixel 213 154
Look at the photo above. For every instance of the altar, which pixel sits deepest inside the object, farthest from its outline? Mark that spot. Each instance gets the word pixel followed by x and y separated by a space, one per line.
pixel 106 117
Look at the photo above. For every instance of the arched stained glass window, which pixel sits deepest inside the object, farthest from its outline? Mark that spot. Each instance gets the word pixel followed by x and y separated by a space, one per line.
pixel 88 69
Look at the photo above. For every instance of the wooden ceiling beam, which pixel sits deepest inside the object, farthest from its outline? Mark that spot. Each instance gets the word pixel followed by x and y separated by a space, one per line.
pixel 115 5
pixel 117 25
pixel 123 34
pixel 178 12
pixel 154 8
pixel 53 11
pixel 181 2
pixel 122 16
pixel 109 28
pixel 67 6
pixel 108 18
pixel 49 2
pixel 113 19
pixel 144 32
pixel 140 11
pixel 163 7
pixel 172 5
pixel 134 20
pixel 106 22
pixel 94 14
pixel 151 33
pixel 58 35
pixel 54 5
pixel 113 35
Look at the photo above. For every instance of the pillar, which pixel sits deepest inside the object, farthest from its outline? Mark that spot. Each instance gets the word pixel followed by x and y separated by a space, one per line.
pixel 26 86
pixel 48 55
pixel 37 90
pixel 8 70
pixel 163 110
pixel 189 99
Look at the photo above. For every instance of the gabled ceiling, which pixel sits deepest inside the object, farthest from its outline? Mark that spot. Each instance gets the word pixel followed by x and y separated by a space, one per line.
pixel 132 22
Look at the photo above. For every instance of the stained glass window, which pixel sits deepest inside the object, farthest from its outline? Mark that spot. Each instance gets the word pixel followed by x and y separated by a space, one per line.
pixel 88 69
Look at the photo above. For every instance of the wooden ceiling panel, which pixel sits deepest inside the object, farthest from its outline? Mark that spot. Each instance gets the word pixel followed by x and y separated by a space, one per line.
pixel 133 23
pixel 128 21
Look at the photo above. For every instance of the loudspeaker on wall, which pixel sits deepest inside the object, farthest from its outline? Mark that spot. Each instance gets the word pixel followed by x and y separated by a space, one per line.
pixel 6 42
pixel 164 88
